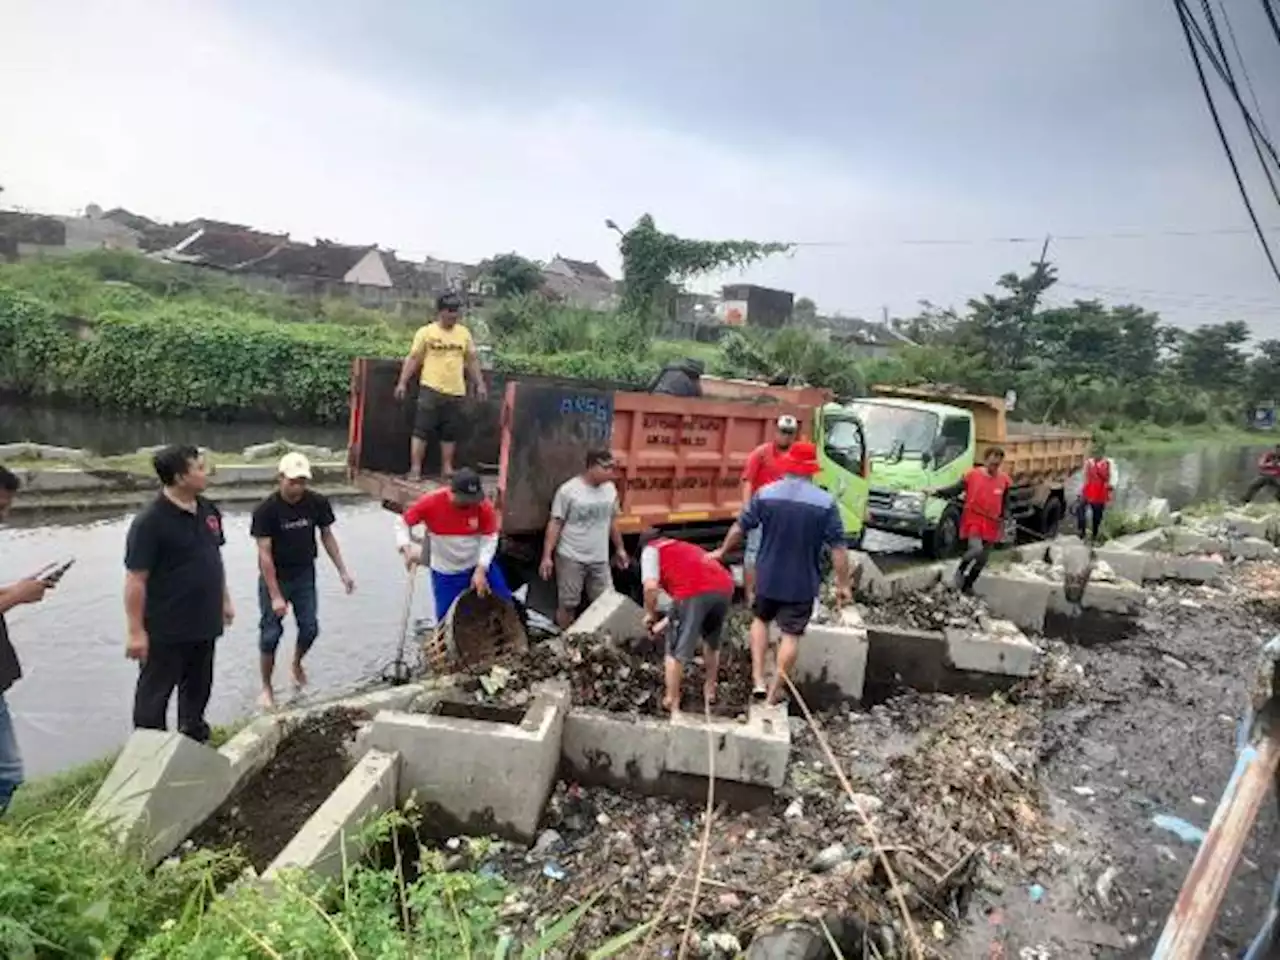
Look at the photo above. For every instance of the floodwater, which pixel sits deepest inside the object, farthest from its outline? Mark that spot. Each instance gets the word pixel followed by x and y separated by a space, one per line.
pixel 74 702
pixel 107 434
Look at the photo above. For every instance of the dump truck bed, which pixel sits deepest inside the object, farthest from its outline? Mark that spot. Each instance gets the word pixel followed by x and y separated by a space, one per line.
pixel 680 459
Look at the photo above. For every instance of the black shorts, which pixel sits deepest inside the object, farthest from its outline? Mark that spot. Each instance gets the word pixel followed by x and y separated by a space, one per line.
pixel 697 618
pixel 439 415
pixel 791 618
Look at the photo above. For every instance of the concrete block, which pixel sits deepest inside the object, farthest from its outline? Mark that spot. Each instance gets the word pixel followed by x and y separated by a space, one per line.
pixel 756 753
pixel 1252 548
pixel 489 776
pixel 1002 649
pixel 834 658
pixel 161 787
pixel 1192 569
pixel 1116 598
pixel 253 747
pixel 612 613
pixel 911 579
pixel 1158 510
pixel 901 656
pixel 1133 565
pixel 1187 541
pixel 329 837
pixel 1243 525
pixel 616 751
pixel 1147 540
pixel 1022 600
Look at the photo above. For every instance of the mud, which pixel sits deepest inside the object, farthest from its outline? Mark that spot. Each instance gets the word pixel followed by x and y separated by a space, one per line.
pixel 933 609
pixel 262 816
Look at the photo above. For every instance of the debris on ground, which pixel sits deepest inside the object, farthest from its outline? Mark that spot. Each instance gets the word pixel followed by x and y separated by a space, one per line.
pixel 934 608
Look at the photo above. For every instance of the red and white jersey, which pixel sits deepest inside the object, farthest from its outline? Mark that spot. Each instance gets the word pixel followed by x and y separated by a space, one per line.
pixel 460 537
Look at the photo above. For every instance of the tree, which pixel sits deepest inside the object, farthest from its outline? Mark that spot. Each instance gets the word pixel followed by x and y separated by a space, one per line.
pixel 512 274
pixel 1264 372
pixel 1212 357
pixel 652 261
pixel 804 312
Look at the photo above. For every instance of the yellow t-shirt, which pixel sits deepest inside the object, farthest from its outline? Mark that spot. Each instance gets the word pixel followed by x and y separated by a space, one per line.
pixel 443 354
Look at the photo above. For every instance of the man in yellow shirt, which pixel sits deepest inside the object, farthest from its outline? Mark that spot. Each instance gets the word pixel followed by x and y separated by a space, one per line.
pixel 446 355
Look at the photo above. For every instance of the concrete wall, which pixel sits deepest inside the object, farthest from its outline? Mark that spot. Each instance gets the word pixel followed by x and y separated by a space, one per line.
pixel 85 234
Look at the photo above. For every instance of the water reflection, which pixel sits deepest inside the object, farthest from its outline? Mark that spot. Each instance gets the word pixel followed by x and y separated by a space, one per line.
pixel 108 434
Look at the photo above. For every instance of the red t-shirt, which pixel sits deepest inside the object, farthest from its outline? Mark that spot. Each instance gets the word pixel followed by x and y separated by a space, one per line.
pixel 763 466
pixel 686 570
pixel 983 500
pixel 1097 481
pixel 458 534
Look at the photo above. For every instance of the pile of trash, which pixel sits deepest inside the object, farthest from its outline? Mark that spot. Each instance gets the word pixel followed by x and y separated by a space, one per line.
pixel 934 608
pixel 610 674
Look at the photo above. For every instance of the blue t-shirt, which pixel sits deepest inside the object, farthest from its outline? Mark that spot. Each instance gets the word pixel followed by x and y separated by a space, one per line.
pixel 797 520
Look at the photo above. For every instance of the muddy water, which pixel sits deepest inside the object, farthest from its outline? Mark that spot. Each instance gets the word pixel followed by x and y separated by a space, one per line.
pixel 74 702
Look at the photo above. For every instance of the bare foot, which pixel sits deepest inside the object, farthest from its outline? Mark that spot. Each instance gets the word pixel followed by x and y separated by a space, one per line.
pixel 709 692
pixel 671 706
pixel 267 699
pixel 299 675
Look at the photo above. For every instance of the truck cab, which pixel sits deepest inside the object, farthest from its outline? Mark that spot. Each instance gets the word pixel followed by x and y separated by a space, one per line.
pixel 842 452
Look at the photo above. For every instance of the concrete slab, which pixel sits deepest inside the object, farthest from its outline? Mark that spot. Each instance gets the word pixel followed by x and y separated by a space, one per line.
pixel 1148 540
pixel 329 838
pixel 832 663
pixel 1191 569
pixel 488 776
pixel 1132 565
pixel 875 583
pixel 612 613
pixel 160 788
pixel 253 747
pixel 1184 542
pixel 1251 548
pixel 756 753
pixel 1022 600
pixel 1116 598
pixel 1244 525
pixel 1002 650
pixel 603 748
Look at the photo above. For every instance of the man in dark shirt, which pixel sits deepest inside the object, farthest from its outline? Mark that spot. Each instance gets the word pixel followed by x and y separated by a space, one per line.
pixel 175 595
pixel 799 521
pixel 27 590
pixel 285 525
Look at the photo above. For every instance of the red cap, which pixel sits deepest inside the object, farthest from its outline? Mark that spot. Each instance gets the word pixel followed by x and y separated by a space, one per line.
pixel 801 458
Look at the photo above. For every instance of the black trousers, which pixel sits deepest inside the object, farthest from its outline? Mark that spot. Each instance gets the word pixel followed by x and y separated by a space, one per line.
pixel 1090 512
pixel 1263 482
pixel 189 668
pixel 972 563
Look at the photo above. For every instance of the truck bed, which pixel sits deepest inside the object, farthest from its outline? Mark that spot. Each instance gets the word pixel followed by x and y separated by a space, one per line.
pixel 395 492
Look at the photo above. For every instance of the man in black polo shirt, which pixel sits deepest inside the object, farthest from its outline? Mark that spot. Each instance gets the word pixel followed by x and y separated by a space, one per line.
pixel 175 595
pixel 28 590
pixel 285 525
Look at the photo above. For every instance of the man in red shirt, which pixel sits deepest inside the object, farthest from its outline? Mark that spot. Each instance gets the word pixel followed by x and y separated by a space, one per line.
pixel 462 540
pixel 983 517
pixel 1268 474
pixel 701 591
pixel 1096 493
pixel 763 467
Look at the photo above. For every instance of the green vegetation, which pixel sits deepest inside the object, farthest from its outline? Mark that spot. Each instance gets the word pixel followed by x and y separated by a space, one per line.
pixel 119 331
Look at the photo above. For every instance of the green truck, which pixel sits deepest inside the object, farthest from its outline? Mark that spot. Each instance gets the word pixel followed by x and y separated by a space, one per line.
pixel 919 439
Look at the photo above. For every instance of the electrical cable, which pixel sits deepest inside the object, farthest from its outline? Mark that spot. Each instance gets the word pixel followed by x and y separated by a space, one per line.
pixel 1183 17
pixel 1244 70
pixel 1270 11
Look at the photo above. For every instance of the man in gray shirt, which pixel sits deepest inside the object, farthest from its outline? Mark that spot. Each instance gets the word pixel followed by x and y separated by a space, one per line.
pixel 584 517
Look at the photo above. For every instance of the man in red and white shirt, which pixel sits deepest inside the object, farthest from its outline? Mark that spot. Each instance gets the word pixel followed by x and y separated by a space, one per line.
pixel 701 591
pixel 462 540
pixel 763 467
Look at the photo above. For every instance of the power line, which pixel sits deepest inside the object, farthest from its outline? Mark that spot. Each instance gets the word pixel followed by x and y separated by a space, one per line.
pixel 1038 238
pixel 1244 70
pixel 1270 11
pixel 1183 17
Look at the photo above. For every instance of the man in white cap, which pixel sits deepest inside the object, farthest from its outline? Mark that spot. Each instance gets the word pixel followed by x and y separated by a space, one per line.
pixel 764 466
pixel 285 525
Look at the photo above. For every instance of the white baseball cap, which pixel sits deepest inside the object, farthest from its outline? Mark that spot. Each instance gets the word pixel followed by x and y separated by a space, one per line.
pixel 787 423
pixel 295 466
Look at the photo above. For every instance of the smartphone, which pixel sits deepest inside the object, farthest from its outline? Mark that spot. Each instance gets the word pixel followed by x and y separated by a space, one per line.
pixel 55 571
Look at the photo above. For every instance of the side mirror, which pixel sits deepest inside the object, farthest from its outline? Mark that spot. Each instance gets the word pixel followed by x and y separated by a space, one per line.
pixel 925 459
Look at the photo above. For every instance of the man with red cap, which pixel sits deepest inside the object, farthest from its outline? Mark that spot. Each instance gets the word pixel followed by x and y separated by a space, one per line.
pixel 763 467
pixel 798 521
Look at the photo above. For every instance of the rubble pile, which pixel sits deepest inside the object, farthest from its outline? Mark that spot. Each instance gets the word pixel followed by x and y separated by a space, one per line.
pixel 931 609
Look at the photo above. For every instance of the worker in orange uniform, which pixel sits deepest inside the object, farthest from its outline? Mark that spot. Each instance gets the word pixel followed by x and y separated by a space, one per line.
pixel 701 590
pixel 1096 493
pixel 763 467
pixel 982 521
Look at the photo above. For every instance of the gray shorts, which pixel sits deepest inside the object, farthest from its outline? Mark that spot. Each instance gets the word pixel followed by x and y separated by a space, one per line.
pixel 573 578
pixel 753 547
pixel 694 619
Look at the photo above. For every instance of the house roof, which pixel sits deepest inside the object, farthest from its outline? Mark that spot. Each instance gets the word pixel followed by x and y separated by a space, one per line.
pixel 226 249
pixel 585 269
pixel 32 228
pixel 865 332
pixel 407 275
pixel 323 260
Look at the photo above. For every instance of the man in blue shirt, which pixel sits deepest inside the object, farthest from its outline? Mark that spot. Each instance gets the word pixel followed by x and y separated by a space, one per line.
pixel 797 520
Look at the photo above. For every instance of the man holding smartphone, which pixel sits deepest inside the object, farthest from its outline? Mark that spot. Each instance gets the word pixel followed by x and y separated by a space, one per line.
pixel 27 590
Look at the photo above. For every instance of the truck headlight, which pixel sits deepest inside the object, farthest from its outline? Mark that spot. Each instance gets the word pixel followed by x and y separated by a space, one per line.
pixel 909 502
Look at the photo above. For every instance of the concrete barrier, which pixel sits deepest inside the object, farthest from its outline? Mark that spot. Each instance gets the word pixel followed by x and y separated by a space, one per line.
pixel 1243 525
pixel 875 583
pixel 488 776
pixel 1133 565
pixel 1190 569
pixel 1148 540
pixel 1021 600
pixel 329 838
pixel 161 787
pixel 1001 650
pixel 253 747
pixel 613 613
pixel 1117 598
pixel 832 662
pixel 954 660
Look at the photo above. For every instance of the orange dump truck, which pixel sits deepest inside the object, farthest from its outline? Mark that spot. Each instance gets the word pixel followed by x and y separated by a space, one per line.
pixel 679 459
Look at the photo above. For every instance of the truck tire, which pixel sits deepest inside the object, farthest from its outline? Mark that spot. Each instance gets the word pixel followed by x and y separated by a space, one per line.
pixel 1051 517
pixel 943 541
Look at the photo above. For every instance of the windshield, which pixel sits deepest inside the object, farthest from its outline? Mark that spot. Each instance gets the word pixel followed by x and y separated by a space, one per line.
pixel 843 444
pixel 884 426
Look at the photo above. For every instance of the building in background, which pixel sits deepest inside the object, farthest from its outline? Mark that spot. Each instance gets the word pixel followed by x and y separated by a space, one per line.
pixel 748 305
pixel 582 283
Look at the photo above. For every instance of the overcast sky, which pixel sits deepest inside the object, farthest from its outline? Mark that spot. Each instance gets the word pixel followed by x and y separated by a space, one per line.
pixel 461 130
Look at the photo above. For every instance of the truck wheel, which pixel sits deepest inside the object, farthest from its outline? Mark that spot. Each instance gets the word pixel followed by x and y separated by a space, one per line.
pixel 943 541
pixel 1051 518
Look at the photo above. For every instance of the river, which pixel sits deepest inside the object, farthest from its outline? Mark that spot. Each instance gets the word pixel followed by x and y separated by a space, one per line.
pixel 74 702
